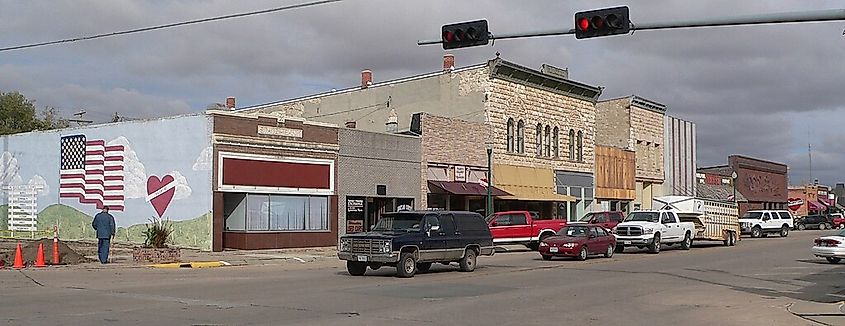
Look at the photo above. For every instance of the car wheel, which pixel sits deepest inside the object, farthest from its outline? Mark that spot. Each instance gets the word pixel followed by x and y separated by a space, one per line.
pixel 620 249
pixel 654 247
pixel 822 226
pixel 375 266
pixel 841 226
pixel 756 232
pixel 833 260
pixel 582 255
pixel 546 257
pixel 784 231
pixel 468 262
pixel 423 267
pixel 609 252
pixel 407 265
pixel 356 268
pixel 687 242
pixel 802 227
pixel 733 238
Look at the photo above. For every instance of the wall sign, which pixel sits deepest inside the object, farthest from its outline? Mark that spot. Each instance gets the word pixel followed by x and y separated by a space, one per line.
pixel 354 226
pixel 460 174
pixel 794 203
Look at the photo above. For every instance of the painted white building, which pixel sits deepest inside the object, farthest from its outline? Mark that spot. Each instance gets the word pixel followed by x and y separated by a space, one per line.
pixel 679 153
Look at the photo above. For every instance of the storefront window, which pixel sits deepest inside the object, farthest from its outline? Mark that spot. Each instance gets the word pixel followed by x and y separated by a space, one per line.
pixel 437 201
pixel 261 212
pixel 257 212
pixel 234 211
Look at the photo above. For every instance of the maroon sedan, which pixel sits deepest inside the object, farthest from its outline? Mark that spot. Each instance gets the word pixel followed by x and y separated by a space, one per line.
pixel 579 241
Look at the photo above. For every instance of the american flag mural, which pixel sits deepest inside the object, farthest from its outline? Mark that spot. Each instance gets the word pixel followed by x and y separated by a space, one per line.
pixel 92 172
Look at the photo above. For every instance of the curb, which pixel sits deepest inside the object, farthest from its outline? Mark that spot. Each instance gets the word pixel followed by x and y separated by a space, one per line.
pixel 196 264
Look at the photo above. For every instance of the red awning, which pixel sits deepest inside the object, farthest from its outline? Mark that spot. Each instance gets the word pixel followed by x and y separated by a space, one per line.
pixel 816 206
pixel 464 188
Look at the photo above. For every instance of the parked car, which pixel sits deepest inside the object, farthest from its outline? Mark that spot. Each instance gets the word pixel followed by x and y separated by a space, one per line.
pixel 831 248
pixel 522 227
pixel 651 229
pixel 838 220
pixel 760 223
pixel 579 241
pixel 413 241
pixel 607 220
pixel 820 222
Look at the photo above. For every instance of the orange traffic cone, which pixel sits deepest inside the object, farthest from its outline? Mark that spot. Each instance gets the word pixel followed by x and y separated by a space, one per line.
pixel 39 260
pixel 18 258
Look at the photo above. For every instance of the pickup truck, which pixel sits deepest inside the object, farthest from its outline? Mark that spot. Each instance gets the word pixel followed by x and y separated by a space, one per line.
pixel 522 227
pixel 650 229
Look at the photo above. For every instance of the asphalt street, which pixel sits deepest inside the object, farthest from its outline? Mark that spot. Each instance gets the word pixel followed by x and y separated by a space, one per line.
pixel 754 283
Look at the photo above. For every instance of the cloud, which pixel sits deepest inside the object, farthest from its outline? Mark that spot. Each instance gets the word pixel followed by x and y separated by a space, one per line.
pixel 9 169
pixel 134 172
pixel 204 160
pixel 183 190
pixel 44 189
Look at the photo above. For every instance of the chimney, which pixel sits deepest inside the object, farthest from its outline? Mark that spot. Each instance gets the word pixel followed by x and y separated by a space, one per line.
pixel 350 124
pixel 230 102
pixel 366 78
pixel 448 62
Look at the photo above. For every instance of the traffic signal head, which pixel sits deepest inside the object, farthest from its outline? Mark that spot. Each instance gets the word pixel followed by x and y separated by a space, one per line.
pixel 466 34
pixel 602 22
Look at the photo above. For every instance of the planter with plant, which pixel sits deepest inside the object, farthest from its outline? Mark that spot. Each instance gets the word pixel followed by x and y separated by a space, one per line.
pixel 155 249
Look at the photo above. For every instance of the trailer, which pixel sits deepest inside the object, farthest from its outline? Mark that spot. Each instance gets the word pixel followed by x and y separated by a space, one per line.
pixel 714 220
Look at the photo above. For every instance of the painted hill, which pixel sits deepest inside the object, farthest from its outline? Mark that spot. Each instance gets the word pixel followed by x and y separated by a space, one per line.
pixel 195 233
pixel 73 224
pixel 4 217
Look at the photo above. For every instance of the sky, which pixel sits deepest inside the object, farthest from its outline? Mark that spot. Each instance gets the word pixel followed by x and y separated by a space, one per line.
pixel 762 91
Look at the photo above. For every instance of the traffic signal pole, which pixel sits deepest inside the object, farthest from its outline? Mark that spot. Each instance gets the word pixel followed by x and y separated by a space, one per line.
pixel 762 19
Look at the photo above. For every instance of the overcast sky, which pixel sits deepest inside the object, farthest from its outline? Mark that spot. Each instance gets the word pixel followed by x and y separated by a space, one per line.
pixel 764 91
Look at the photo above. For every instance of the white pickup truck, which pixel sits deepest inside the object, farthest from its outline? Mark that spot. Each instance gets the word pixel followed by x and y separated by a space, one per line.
pixel 651 229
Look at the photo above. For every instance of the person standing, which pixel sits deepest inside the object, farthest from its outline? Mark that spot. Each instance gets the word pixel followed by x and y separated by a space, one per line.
pixel 104 225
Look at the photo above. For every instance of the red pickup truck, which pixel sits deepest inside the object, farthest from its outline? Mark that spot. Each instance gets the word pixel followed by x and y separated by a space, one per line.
pixel 522 227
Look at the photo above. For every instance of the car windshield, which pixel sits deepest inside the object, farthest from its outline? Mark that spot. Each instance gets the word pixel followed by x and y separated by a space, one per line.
pixel 643 217
pixel 753 215
pixel 573 231
pixel 842 233
pixel 399 222
pixel 587 217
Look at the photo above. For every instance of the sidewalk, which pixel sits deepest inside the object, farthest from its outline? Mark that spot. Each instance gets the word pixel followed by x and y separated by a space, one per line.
pixel 823 313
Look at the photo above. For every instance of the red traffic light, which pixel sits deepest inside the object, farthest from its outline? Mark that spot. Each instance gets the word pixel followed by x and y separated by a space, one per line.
pixel 465 34
pixel 584 24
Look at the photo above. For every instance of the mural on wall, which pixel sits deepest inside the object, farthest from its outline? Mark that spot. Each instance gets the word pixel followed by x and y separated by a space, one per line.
pixel 141 170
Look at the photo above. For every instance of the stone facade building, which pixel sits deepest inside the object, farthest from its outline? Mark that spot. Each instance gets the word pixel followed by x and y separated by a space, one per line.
pixel 637 124
pixel 541 126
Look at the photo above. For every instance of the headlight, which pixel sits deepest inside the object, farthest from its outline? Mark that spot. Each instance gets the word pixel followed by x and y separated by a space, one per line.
pixel 385 248
pixel 613 230
pixel 343 245
pixel 649 230
pixel 543 244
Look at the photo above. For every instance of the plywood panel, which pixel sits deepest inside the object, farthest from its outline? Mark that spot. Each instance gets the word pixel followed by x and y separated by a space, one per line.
pixel 615 173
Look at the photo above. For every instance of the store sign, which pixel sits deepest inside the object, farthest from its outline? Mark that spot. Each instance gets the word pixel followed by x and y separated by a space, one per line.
pixel 460 174
pixel 354 205
pixel 354 226
pixel 795 203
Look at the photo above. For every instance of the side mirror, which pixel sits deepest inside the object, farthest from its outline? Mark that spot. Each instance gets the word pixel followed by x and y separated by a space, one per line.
pixel 434 228
pixel 592 236
pixel 493 223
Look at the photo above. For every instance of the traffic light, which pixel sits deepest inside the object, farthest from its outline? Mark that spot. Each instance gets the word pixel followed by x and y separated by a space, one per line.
pixel 465 34
pixel 602 22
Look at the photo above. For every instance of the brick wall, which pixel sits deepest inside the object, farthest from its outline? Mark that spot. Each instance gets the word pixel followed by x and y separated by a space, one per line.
pixel 533 106
pixel 647 133
pixel 613 124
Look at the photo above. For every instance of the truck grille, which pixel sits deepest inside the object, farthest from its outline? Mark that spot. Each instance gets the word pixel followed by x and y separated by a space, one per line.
pixel 365 246
pixel 629 230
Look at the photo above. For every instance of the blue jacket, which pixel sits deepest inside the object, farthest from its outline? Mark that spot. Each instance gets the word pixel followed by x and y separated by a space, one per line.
pixel 104 224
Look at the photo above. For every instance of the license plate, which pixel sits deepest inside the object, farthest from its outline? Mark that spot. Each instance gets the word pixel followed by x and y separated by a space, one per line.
pixel 626 242
pixel 362 258
pixel 553 249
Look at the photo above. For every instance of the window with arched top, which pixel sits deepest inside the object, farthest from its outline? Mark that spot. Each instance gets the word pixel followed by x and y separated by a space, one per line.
pixel 539 140
pixel 555 143
pixel 520 137
pixel 548 141
pixel 572 144
pixel 580 146
pixel 511 138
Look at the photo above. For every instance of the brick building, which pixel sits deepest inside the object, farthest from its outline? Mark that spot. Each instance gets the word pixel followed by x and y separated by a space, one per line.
pixel 636 124
pixel 762 183
pixel 810 199
pixel 541 127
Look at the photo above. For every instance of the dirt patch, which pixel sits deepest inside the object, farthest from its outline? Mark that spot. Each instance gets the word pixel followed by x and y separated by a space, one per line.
pixel 30 252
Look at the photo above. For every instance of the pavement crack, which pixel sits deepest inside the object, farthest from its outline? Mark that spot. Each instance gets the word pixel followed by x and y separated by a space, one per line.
pixel 31 279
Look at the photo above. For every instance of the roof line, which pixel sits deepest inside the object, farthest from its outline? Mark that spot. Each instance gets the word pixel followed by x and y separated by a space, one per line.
pixel 351 89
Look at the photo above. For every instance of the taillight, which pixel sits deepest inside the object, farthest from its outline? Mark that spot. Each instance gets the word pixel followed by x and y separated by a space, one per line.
pixel 833 243
pixel 817 241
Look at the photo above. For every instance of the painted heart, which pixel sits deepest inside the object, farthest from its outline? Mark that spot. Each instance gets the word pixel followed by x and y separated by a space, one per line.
pixel 160 192
pixel 794 203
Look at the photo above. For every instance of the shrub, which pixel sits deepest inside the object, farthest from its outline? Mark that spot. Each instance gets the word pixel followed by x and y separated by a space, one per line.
pixel 158 233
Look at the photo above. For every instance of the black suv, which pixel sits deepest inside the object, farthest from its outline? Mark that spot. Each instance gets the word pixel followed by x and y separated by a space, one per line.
pixel 412 241
pixel 820 222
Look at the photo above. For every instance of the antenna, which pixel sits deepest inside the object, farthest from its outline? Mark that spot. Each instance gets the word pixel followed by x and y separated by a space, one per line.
pixel 79 121
pixel 810 155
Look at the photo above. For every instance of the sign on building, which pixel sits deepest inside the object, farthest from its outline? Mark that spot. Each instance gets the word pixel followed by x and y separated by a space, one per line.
pixel 23 207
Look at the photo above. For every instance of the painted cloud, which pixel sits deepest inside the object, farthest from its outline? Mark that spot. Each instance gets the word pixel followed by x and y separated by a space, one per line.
pixel 182 189
pixel 37 180
pixel 134 172
pixel 203 162
pixel 9 169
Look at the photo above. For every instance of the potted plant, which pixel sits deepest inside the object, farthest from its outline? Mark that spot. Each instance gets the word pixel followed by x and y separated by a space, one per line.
pixel 155 249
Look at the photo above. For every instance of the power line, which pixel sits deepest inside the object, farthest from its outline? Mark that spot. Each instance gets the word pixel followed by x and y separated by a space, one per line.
pixel 151 28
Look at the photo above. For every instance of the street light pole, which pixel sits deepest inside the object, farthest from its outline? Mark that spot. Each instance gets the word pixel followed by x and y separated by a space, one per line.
pixel 489 179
